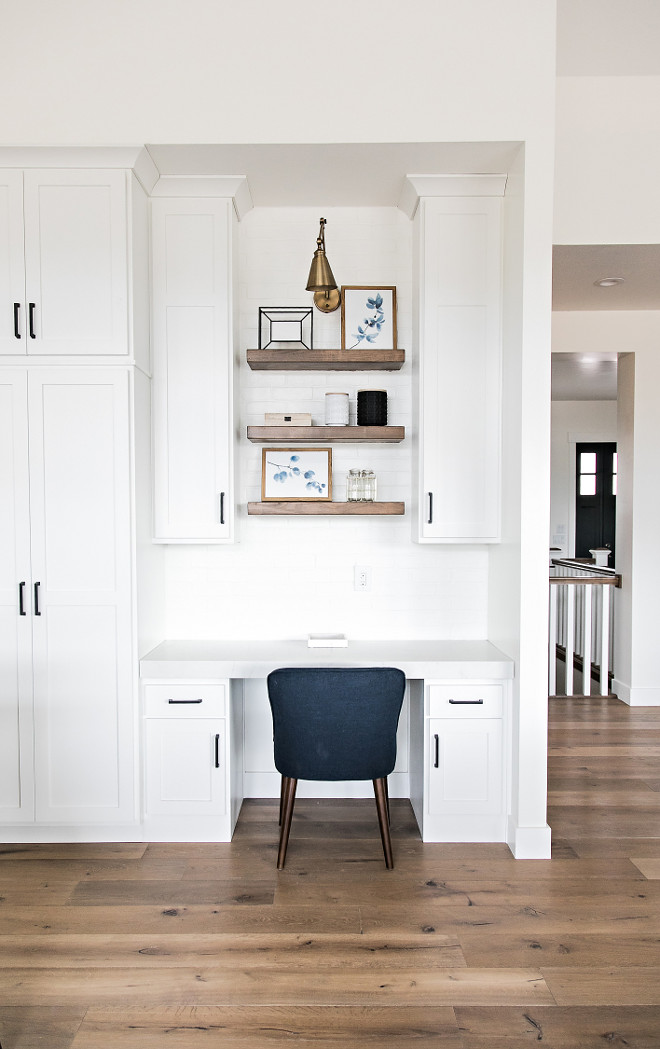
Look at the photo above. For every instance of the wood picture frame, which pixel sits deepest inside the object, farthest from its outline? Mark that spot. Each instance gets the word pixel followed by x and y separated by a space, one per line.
pixel 368 317
pixel 296 475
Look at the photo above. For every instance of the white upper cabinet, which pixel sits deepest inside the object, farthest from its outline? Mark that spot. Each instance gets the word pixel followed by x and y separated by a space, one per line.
pixel 63 262
pixel 193 353
pixel 458 307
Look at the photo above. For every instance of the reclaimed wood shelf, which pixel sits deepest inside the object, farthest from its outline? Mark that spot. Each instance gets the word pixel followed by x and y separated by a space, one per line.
pixel 280 509
pixel 367 360
pixel 336 434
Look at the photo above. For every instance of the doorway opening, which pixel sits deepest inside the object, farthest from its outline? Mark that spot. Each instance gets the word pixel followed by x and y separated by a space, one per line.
pixel 595 498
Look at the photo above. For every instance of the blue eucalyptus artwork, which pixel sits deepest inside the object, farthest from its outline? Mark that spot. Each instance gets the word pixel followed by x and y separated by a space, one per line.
pixel 292 469
pixel 370 328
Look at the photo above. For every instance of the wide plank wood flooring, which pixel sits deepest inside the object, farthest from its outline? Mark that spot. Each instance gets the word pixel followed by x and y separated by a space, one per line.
pixel 177 946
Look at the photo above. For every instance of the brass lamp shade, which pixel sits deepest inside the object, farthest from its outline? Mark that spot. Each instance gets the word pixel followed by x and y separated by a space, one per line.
pixel 321 280
pixel 320 274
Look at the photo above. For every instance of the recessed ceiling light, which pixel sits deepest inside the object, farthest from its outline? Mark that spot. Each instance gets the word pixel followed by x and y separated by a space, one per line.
pixel 608 282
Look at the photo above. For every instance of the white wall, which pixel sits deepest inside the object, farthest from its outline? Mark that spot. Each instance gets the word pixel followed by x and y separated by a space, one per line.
pixel 85 72
pixel 287 577
pixel 607 165
pixel 572 422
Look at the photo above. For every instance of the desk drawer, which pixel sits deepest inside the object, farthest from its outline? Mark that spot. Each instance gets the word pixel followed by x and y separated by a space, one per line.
pixel 185 700
pixel 465 701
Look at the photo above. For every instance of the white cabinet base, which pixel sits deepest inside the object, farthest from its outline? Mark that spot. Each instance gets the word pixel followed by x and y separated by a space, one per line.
pixel 193 759
pixel 458 750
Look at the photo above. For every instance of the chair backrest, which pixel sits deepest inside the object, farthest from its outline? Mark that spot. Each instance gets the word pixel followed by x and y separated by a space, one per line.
pixel 335 723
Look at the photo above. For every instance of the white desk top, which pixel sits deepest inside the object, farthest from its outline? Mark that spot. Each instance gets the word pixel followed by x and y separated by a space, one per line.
pixel 246 659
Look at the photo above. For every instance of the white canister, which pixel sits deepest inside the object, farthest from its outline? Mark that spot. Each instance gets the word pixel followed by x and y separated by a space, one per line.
pixel 336 409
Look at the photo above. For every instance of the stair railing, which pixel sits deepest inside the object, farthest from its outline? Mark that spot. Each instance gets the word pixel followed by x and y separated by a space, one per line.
pixel 581 624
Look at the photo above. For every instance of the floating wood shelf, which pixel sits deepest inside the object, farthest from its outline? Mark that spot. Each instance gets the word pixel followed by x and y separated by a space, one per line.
pixel 368 360
pixel 336 434
pixel 281 509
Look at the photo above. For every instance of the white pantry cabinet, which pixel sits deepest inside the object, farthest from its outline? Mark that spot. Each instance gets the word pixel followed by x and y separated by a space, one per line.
pixel 64 265
pixel 458 311
pixel 67 673
pixel 193 266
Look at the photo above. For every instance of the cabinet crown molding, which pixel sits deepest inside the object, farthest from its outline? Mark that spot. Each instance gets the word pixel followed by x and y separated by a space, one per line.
pixel 234 186
pixel 417 186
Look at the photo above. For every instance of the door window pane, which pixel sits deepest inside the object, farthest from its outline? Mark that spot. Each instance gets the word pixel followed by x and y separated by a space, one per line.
pixel 614 473
pixel 587 462
pixel 587 484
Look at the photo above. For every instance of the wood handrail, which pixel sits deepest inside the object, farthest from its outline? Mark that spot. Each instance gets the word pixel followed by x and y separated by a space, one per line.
pixel 596 576
pixel 592 580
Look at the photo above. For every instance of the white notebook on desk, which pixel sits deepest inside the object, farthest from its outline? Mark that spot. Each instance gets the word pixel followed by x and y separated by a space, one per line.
pixel 327 641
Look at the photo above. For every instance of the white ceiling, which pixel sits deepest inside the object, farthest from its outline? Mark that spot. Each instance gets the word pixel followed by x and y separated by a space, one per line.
pixel 584 377
pixel 577 266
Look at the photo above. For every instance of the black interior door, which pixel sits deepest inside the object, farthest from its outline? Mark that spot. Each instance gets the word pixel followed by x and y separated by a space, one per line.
pixel 595 498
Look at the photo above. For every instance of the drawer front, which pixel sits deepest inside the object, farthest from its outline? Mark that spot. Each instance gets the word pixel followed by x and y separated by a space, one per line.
pixel 465 701
pixel 187 700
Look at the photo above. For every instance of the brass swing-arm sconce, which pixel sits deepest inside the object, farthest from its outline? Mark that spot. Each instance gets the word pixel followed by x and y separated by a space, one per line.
pixel 327 296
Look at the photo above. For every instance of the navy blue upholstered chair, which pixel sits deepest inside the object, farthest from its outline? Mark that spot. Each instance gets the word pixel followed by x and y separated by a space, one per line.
pixel 335 724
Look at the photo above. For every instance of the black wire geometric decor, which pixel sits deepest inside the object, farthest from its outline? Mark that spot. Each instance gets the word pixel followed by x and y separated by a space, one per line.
pixel 285 327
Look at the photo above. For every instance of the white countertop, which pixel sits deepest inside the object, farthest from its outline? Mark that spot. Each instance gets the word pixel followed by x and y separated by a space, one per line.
pixel 249 659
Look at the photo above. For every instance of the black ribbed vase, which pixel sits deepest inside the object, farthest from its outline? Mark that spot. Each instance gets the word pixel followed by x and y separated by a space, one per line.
pixel 372 408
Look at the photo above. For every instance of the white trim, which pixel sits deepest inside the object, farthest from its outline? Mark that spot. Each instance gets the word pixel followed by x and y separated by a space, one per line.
pixel 417 186
pixel 529 843
pixel 70 156
pixel 636 697
pixel 234 186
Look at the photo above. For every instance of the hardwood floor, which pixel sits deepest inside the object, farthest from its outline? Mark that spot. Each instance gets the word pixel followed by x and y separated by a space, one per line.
pixel 168 946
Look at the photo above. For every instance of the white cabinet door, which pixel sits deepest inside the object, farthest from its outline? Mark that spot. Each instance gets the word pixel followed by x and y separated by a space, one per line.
pixel 16 788
pixel 81 581
pixel 465 766
pixel 63 262
pixel 76 262
pixel 186 767
pixel 13 317
pixel 192 369
pixel 459 261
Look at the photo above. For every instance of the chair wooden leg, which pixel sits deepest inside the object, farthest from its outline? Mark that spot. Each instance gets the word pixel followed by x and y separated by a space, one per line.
pixel 289 787
pixel 279 822
pixel 380 793
pixel 387 799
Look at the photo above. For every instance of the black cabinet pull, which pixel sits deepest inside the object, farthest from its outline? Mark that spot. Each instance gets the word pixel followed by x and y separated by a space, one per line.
pixel 436 751
pixel 17 325
pixel 21 602
pixel 31 309
pixel 217 750
pixel 222 508
pixel 37 610
pixel 467 702
pixel 430 520
pixel 184 701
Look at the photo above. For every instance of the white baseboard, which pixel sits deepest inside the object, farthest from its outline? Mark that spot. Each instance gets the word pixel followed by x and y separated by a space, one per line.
pixel 636 697
pixel 529 843
pixel 60 833
pixel 267 785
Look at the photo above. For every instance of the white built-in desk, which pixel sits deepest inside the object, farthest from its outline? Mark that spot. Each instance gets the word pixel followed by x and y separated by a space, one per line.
pixel 208 736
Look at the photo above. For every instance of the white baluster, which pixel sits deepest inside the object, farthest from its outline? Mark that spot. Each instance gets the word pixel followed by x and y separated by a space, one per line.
pixel 552 648
pixel 586 654
pixel 605 643
pixel 570 637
